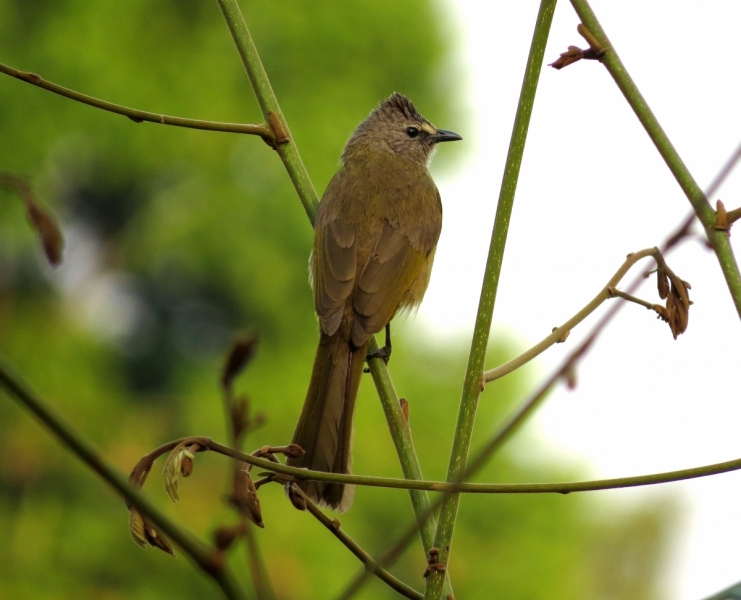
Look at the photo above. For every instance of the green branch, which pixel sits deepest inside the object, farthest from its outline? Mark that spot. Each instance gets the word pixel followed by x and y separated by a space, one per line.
pixel 401 435
pixel 452 487
pixel 271 111
pixel 705 213
pixel 472 384
pixel 203 556
pixel 334 526
pixel 138 115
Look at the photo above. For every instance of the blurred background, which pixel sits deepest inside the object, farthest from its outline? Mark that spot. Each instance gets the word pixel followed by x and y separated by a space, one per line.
pixel 179 240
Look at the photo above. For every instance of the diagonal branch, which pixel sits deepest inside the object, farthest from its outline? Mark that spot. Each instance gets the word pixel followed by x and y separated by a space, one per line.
pixel 719 240
pixel 203 556
pixel 333 525
pixel 136 115
pixel 477 356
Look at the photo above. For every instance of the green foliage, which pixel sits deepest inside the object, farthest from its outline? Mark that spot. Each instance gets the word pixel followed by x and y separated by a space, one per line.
pixel 177 240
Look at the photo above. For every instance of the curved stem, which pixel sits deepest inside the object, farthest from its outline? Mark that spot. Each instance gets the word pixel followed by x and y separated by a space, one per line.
pixel 196 550
pixel 134 114
pixel 559 333
pixel 719 240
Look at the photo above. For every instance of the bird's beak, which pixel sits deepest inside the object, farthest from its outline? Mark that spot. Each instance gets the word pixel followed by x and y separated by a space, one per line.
pixel 444 136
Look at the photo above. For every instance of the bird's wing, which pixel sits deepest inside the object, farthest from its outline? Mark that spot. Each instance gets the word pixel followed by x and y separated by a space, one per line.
pixel 333 270
pixel 395 262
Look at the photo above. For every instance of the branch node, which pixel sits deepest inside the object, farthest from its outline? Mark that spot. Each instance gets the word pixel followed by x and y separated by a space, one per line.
pixel 433 562
pixel 574 54
pixel 275 124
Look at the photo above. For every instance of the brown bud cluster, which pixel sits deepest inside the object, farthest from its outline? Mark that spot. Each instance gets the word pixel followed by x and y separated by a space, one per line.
pixel 433 562
pixel 676 293
pixel 146 534
pixel 574 54
pixel 180 462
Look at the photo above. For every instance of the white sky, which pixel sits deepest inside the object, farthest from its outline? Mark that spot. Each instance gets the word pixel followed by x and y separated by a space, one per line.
pixel 592 189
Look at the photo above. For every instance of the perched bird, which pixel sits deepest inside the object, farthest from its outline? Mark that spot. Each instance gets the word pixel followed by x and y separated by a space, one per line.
pixel 375 234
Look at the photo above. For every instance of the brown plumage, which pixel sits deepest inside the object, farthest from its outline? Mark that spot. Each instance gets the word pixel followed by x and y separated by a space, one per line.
pixel 374 241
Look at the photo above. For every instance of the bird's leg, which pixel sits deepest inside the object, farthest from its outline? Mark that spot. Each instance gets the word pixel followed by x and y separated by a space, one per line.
pixel 384 351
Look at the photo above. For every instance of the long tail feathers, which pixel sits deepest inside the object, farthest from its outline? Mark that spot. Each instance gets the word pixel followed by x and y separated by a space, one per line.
pixel 324 429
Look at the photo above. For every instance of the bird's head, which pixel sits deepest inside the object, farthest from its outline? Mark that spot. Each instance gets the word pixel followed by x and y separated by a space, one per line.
pixel 396 127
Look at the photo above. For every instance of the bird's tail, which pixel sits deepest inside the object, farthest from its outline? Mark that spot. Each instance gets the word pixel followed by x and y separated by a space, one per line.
pixel 324 429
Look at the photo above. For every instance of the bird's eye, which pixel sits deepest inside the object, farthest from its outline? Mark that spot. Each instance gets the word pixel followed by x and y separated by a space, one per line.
pixel 412 132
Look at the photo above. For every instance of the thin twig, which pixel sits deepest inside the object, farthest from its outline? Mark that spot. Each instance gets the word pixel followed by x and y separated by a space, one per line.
pixel 370 565
pixel 475 369
pixel 616 293
pixel 559 333
pixel 718 239
pixel 203 556
pixel 138 115
pixel 401 434
pixel 450 487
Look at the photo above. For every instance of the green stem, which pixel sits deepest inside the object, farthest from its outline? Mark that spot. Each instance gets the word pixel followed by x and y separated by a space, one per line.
pixel 198 552
pixel 456 487
pixel 134 114
pixel 371 566
pixel 472 384
pixel 705 213
pixel 287 151
pixel 401 435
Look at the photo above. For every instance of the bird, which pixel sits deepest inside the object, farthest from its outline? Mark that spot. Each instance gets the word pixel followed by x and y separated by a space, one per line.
pixel 375 234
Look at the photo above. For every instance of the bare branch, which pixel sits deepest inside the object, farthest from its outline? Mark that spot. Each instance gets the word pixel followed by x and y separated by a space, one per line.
pixel 333 525
pixel 265 132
